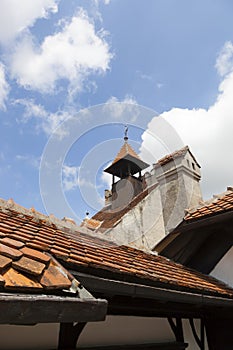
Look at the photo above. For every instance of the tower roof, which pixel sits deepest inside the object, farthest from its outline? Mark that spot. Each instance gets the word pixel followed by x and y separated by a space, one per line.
pixel 125 150
pixel 126 158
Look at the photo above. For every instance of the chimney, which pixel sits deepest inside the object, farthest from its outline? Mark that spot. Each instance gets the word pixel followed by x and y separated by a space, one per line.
pixel 178 175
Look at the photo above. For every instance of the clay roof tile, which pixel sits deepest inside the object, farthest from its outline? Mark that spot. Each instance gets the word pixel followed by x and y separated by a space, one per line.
pixel 23 271
pixel 219 204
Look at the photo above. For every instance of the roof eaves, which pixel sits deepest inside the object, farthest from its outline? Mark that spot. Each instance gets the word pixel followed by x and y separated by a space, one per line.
pixel 49 309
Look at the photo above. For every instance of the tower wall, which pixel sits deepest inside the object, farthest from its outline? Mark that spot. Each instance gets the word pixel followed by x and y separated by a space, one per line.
pixel 125 190
pixel 179 187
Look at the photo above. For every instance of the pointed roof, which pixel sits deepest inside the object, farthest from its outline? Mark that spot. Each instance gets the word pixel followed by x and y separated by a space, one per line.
pixel 125 156
pixel 125 150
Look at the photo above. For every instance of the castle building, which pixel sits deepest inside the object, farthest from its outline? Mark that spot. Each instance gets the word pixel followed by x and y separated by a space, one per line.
pixel 140 210
pixel 135 276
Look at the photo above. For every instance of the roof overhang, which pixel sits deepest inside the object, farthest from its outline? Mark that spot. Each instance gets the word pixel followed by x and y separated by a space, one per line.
pixel 132 299
pixel 121 166
pixel 187 226
pixel 31 309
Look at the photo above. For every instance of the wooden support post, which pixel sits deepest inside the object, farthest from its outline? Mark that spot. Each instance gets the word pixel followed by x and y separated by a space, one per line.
pixel 203 334
pixel 69 334
pixel 200 341
pixel 177 328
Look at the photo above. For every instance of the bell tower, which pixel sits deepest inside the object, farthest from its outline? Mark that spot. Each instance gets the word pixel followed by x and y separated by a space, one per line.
pixel 127 167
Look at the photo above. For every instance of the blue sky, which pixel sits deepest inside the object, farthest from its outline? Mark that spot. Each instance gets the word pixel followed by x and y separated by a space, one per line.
pixel 60 58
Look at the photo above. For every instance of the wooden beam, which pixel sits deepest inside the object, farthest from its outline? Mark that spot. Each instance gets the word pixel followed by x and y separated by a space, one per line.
pixel 177 328
pixel 127 306
pixel 69 334
pixel 199 340
pixel 29 309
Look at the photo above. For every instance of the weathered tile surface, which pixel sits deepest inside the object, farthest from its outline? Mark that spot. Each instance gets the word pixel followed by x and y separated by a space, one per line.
pixel 36 255
pixel 30 266
pixel 79 250
pixel 218 205
pixel 4 262
pixel 10 252
pixel 53 278
pixel 16 280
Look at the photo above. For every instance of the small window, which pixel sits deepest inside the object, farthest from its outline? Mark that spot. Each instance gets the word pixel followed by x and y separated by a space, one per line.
pixel 188 162
pixel 193 165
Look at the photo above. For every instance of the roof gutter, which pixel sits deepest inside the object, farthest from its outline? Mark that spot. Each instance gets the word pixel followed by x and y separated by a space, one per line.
pixel 116 287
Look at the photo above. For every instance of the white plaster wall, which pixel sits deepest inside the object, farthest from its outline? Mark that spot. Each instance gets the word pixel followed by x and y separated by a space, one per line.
pixel 38 337
pixel 143 226
pixel 115 330
pixel 188 335
pixel 180 188
pixel 223 270
pixel 118 330
pixel 188 194
pixel 193 191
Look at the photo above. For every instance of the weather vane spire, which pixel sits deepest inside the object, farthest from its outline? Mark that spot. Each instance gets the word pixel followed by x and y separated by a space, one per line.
pixel 126 133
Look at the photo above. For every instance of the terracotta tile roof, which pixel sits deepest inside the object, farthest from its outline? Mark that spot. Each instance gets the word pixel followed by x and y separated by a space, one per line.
pixel 125 150
pixel 218 205
pixel 175 155
pixel 25 269
pixel 109 218
pixel 28 231
pixel 91 224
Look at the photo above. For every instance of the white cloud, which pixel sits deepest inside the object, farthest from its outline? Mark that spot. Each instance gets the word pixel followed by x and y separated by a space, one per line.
pixel 70 177
pixel 224 63
pixel 106 2
pixel 144 76
pixel 208 132
pixel 118 108
pixel 15 15
pixel 4 87
pixel 71 54
pixel 46 121
pixel 159 85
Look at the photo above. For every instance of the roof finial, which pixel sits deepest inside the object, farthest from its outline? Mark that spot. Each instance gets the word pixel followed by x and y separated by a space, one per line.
pixel 126 133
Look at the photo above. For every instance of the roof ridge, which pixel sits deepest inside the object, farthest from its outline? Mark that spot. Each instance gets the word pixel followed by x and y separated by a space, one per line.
pixel 8 206
pixel 175 154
